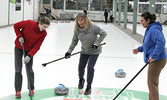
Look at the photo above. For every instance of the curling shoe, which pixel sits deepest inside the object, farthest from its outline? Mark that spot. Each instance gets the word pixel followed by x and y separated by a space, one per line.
pixel 81 83
pixel 18 94
pixel 88 91
pixel 32 93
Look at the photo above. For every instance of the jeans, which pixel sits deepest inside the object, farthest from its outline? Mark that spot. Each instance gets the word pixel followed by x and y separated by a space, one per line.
pixel 18 70
pixel 91 61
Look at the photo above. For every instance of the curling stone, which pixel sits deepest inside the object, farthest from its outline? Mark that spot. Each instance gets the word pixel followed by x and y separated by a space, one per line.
pixel 61 90
pixel 120 73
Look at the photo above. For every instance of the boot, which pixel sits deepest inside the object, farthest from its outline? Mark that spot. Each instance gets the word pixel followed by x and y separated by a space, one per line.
pixel 88 91
pixel 81 83
pixel 32 93
pixel 18 94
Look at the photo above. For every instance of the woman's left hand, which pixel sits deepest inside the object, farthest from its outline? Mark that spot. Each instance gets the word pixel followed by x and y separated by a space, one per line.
pixel 150 60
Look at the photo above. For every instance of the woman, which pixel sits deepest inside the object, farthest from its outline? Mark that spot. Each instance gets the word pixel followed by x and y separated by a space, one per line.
pixel 154 52
pixel 31 34
pixel 111 15
pixel 87 33
pixel 85 11
pixel 48 12
pixel 106 15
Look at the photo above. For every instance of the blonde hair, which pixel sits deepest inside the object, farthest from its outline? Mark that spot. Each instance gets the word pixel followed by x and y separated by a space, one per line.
pixel 87 21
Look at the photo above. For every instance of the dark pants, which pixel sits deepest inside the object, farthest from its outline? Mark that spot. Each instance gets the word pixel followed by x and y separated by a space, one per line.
pixel 106 17
pixel 91 60
pixel 111 18
pixel 18 70
pixel 49 15
pixel 154 71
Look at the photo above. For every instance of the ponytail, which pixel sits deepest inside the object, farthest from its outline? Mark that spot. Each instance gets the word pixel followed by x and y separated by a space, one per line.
pixel 153 18
pixel 147 15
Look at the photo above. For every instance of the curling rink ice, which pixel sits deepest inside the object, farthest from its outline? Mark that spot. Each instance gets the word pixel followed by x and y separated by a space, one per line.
pixel 116 54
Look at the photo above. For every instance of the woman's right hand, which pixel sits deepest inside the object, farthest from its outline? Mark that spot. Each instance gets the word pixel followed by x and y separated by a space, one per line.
pixel 21 40
pixel 135 51
pixel 67 55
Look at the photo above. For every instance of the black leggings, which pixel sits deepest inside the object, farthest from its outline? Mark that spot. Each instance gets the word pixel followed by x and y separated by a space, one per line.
pixel 91 60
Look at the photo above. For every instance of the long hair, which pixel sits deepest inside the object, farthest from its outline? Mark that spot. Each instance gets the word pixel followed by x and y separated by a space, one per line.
pixel 87 21
pixel 147 15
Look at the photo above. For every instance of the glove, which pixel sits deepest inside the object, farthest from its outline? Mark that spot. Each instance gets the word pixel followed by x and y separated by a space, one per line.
pixel 94 46
pixel 27 59
pixel 21 40
pixel 67 55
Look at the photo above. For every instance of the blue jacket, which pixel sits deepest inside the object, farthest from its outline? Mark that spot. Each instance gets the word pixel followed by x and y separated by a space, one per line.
pixel 153 43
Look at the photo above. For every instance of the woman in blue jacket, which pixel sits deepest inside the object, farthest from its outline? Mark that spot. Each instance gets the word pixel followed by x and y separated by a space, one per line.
pixel 154 52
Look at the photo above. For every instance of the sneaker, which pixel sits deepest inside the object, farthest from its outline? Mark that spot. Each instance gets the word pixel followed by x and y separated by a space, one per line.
pixel 81 83
pixel 18 94
pixel 32 93
pixel 87 91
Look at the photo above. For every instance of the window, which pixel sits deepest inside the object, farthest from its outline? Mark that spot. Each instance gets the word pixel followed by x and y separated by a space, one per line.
pixel 76 4
pixel 58 4
pixel 165 9
pixel 143 0
pixel 159 0
pixel 46 1
pixel 143 8
pixel 96 5
pixel 101 5
pixel 130 6
pixel 158 8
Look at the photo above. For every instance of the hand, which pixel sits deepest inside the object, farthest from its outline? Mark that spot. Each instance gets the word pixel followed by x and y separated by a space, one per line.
pixel 67 55
pixel 21 40
pixel 27 59
pixel 150 60
pixel 135 51
pixel 94 46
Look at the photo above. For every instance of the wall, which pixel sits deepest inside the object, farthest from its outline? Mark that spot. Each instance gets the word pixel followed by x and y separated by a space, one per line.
pixel 9 15
pixel 36 9
pixel 15 16
pixel 28 10
pixel 99 15
pixel 4 12
pixel 93 15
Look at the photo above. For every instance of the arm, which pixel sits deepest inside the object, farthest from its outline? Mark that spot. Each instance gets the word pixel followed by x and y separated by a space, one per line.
pixel 158 38
pixel 140 49
pixel 44 7
pixel 102 34
pixel 73 43
pixel 18 27
pixel 36 47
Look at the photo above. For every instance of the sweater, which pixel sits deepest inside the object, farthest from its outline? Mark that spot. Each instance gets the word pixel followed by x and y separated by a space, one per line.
pixel 153 43
pixel 88 39
pixel 32 35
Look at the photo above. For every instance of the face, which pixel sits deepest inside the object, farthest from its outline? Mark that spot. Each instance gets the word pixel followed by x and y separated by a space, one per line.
pixel 144 22
pixel 81 22
pixel 42 27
